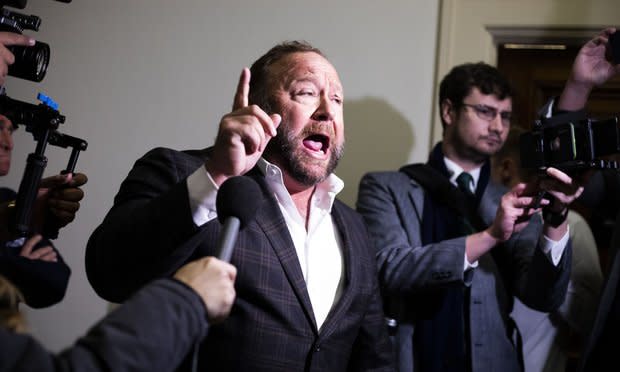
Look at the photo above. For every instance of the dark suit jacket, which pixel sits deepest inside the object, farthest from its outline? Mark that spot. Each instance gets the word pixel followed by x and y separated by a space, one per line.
pixel 150 233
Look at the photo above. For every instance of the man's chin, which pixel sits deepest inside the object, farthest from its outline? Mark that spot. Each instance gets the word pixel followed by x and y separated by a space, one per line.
pixel 4 167
pixel 310 171
pixel 309 175
pixel 489 150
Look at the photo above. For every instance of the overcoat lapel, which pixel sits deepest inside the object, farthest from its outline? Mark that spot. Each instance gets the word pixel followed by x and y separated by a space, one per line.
pixel 417 198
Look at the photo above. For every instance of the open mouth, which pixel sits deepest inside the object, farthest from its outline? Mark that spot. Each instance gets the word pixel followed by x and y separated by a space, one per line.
pixel 317 143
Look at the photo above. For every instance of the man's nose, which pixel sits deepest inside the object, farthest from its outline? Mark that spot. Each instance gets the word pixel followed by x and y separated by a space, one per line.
pixel 497 123
pixel 326 109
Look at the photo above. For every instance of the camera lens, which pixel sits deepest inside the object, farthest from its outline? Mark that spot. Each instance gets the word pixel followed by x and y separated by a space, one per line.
pixel 30 62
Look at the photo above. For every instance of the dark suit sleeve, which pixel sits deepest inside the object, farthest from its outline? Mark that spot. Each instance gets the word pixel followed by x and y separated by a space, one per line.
pixel 153 331
pixel 147 233
pixel 536 281
pixel 42 283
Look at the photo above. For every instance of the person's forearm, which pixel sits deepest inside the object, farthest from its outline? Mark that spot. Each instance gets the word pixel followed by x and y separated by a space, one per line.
pixel 478 244
pixel 574 96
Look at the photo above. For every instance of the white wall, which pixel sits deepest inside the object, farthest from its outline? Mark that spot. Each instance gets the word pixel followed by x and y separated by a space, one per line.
pixel 133 74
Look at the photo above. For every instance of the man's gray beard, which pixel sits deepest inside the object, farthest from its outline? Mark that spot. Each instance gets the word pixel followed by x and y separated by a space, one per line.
pixel 281 149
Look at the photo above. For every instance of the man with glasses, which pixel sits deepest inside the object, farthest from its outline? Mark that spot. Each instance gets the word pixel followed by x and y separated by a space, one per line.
pixel 453 248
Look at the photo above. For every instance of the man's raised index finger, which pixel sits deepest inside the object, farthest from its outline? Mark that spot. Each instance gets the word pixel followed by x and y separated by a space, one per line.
pixel 243 89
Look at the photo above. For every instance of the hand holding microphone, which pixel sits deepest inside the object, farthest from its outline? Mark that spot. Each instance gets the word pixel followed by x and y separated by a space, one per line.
pixel 236 204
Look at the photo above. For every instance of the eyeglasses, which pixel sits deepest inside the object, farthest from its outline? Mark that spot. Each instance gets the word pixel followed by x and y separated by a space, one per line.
pixel 489 113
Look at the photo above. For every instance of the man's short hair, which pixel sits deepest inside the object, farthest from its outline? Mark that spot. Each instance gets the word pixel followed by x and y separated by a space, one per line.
pixel 460 81
pixel 260 79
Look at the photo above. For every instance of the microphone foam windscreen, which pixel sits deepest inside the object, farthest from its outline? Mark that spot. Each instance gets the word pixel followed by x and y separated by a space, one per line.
pixel 238 197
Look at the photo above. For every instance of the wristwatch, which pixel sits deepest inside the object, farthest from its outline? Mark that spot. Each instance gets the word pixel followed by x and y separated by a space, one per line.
pixel 554 219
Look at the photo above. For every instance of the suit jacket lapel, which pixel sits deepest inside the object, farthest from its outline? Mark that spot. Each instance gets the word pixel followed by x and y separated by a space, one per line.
pixel 340 308
pixel 417 198
pixel 270 219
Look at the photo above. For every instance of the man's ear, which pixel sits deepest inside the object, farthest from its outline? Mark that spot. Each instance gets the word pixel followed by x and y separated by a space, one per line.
pixel 448 114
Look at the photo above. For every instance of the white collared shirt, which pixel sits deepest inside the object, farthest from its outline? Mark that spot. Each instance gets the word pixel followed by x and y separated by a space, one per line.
pixel 319 249
pixel 455 170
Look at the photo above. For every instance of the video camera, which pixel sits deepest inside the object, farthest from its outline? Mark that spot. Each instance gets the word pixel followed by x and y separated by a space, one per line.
pixel 30 62
pixel 571 146
pixel 41 120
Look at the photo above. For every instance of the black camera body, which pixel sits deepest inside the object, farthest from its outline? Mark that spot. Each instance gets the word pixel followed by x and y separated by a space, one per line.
pixel 614 41
pixel 571 146
pixel 30 62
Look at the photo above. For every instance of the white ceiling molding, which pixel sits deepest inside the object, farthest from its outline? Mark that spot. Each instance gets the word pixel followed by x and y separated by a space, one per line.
pixel 567 35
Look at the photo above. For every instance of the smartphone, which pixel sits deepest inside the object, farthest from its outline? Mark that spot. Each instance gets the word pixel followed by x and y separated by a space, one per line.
pixel 614 43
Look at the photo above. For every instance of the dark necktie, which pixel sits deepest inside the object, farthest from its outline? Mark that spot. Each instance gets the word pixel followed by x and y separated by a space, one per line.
pixel 464 181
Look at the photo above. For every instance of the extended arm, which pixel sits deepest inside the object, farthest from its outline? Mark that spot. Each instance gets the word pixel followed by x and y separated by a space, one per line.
pixel 153 331
pixel 149 232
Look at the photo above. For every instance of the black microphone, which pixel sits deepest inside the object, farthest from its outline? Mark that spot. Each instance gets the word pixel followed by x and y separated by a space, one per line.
pixel 236 204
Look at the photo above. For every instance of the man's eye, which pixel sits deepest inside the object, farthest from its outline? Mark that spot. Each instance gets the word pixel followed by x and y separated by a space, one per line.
pixel 485 110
